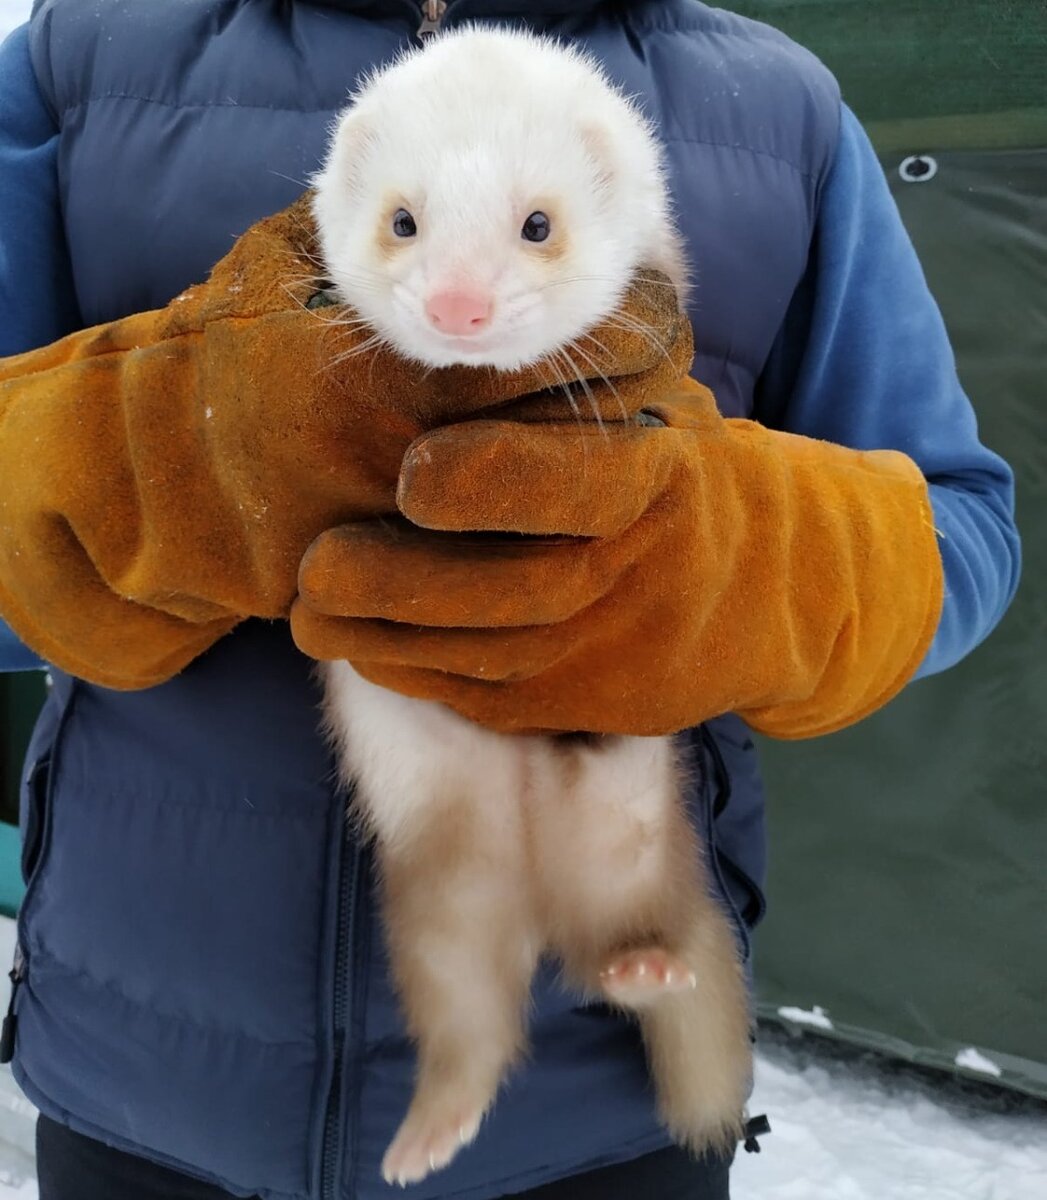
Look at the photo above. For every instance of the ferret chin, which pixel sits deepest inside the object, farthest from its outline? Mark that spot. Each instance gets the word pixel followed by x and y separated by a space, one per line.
pixel 487 200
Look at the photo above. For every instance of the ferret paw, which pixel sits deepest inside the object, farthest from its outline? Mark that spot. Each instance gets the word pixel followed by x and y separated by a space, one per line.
pixel 636 977
pixel 427 1141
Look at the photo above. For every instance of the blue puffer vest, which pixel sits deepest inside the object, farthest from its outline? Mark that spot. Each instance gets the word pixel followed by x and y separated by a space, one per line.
pixel 204 977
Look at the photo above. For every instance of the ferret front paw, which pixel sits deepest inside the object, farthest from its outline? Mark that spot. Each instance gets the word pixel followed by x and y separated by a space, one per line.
pixel 428 1139
pixel 636 977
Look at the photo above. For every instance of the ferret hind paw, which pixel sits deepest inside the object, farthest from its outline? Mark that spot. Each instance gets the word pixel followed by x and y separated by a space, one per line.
pixel 639 976
pixel 426 1142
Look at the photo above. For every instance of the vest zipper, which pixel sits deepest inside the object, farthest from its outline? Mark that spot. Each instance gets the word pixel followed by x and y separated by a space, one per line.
pixel 7 1032
pixel 348 871
pixel 433 12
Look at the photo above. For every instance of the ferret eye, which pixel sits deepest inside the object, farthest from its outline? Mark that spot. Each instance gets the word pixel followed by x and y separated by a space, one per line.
pixel 536 228
pixel 403 224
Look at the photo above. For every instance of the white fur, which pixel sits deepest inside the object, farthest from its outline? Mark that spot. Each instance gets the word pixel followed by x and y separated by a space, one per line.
pixel 400 752
pixel 472 135
pixel 580 851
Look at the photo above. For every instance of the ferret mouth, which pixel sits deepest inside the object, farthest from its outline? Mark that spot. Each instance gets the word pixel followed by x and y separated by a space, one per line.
pixel 477 346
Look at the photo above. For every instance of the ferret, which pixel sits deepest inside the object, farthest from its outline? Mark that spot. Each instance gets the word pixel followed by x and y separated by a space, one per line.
pixel 486 200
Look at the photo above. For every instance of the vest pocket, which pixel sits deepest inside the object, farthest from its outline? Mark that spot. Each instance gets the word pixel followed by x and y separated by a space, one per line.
pixel 34 808
pixel 742 897
pixel 33 817
pixel 746 894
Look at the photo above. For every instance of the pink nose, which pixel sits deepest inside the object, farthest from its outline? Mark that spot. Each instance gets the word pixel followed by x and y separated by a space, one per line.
pixel 459 312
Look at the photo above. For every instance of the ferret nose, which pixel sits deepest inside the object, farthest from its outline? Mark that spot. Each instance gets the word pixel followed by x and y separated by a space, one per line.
pixel 459 311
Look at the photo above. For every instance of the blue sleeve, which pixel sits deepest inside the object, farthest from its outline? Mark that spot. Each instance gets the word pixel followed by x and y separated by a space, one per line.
pixel 37 303
pixel 864 360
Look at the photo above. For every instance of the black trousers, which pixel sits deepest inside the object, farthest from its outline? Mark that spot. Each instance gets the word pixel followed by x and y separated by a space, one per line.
pixel 73 1167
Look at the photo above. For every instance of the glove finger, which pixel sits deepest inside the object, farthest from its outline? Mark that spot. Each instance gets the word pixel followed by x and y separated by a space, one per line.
pixel 396 572
pixel 487 654
pixel 577 481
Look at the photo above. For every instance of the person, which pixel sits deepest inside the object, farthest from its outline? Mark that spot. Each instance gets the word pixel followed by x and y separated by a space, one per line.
pixel 201 1003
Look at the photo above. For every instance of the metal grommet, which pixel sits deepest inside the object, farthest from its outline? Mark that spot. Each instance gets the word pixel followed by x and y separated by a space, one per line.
pixel 918 168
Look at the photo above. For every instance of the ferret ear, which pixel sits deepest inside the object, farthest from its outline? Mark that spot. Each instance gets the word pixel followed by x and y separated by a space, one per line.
pixel 600 147
pixel 355 129
pixel 354 134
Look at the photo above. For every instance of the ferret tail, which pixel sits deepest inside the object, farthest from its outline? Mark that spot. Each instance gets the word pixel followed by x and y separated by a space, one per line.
pixel 700 1053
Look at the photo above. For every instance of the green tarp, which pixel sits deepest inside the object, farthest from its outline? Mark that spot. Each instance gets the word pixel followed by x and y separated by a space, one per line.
pixel 909 855
pixel 20 698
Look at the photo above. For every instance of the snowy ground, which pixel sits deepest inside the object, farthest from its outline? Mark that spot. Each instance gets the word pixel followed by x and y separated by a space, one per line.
pixel 852 1126
pixel 846 1126
pixel 12 13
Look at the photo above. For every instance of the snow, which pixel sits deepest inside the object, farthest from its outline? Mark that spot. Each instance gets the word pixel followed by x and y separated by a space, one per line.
pixel 846 1126
pixel 817 1017
pixel 12 13
pixel 974 1060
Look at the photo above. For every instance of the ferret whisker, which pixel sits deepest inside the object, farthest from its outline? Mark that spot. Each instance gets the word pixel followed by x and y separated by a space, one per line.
pixel 290 178
pixel 348 322
pixel 591 337
pixel 592 362
pixel 374 342
pixel 303 253
pixel 622 409
pixel 620 320
pixel 309 278
pixel 290 287
pixel 546 362
pixel 574 279
pixel 553 358
pixel 655 281
pixel 585 382
pixel 561 356
pixel 294 286
pixel 578 416
pixel 588 393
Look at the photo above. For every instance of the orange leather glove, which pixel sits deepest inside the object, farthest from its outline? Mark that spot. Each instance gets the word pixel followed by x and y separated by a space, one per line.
pixel 673 573
pixel 161 476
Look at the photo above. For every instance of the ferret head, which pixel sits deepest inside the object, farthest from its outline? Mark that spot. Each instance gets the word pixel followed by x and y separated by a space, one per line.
pixel 487 200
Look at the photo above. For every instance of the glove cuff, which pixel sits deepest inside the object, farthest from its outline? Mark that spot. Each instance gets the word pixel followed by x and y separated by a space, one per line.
pixel 861 582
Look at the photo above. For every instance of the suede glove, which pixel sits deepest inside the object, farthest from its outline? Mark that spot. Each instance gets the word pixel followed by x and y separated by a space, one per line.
pixel 675 570
pixel 161 476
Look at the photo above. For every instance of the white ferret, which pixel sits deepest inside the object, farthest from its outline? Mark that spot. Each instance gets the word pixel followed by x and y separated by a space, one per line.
pixel 486 200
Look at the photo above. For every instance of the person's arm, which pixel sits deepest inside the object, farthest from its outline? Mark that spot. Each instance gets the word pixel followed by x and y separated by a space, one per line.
pixel 37 303
pixel 864 360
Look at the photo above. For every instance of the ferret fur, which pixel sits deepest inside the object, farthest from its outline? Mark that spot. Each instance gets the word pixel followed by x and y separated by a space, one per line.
pixel 495 849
